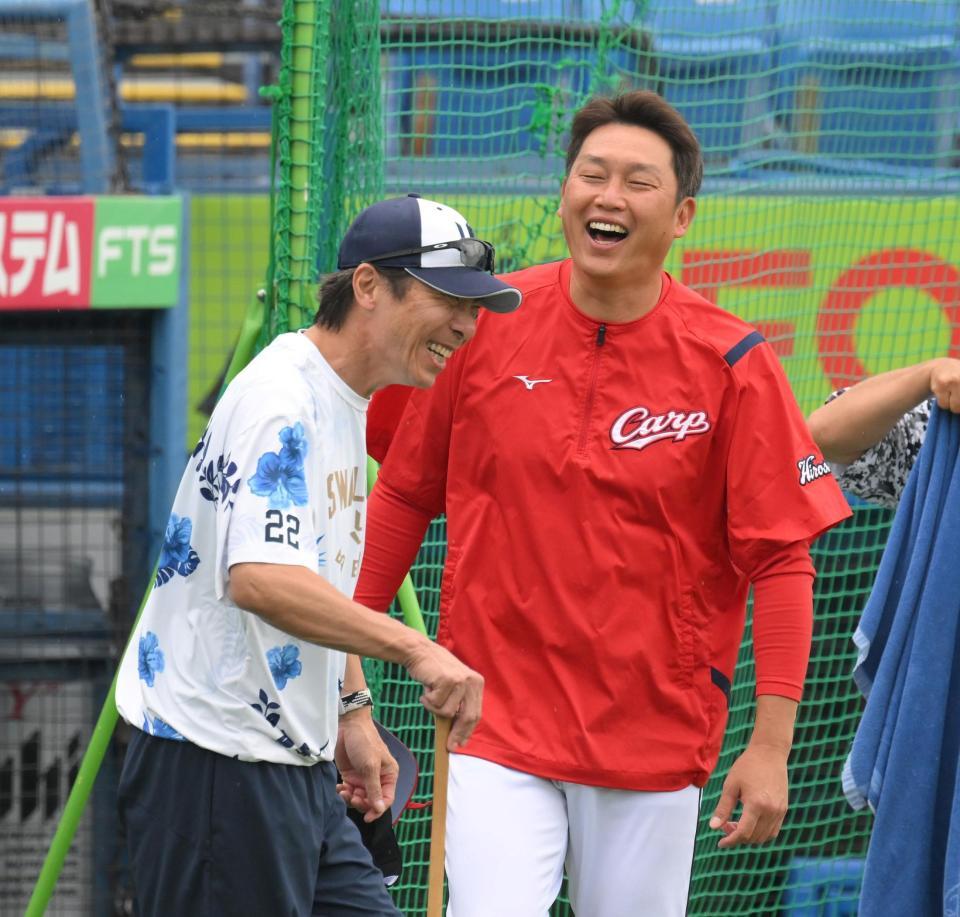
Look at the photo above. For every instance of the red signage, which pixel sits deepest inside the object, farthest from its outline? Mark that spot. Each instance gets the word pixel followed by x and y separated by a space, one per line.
pixel 707 271
pixel 44 252
pixel 892 267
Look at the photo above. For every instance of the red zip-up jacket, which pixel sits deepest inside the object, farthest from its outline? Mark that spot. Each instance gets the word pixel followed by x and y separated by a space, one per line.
pixel 610 491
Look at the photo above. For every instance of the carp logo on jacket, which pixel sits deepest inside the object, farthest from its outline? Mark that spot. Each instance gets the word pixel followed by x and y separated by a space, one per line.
pixel 637 428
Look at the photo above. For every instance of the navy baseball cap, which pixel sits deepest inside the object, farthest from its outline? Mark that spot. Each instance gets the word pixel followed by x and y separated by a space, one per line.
pixel 378 836
pixel 433 243
pixel 409 771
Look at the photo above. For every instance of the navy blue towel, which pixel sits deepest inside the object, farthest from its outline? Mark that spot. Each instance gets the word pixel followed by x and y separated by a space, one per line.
pixel 904 758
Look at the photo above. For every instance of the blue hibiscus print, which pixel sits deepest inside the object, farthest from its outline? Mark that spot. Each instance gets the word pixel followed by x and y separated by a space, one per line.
pixel 279 479
pixel 177 556
pixel 151 659
pixel 176 541
pixel 161 729
pixel 294 443
pixel 280 475
pixel 284 664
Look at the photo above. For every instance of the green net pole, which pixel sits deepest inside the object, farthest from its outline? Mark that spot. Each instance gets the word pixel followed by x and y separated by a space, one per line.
pixel 406 594
pixel 302 127
pixel 250 331
pixel 410 606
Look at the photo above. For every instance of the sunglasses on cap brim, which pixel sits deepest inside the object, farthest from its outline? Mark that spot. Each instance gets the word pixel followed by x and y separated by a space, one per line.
pixel 474 253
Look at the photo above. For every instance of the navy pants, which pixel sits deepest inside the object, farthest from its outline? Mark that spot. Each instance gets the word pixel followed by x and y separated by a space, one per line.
pixel 211 836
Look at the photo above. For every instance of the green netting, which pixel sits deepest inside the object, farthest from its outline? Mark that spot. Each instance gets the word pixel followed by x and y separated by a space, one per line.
pixel 329 144
pixel 828 219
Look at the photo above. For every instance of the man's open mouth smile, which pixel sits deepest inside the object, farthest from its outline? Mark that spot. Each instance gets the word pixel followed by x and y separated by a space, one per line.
pixel 606 233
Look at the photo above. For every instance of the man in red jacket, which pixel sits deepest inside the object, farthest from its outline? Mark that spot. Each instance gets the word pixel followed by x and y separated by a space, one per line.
pixel 618 463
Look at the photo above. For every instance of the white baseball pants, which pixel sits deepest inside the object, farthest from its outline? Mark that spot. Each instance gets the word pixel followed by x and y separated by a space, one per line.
pixel 510 834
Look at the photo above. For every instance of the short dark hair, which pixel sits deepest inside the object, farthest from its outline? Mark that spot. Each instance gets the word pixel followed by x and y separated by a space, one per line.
pixel 643 108
pixel 336 294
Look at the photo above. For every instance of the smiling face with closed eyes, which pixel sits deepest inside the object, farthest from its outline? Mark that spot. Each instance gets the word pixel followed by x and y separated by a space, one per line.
pixel 619 207
pixel 424 329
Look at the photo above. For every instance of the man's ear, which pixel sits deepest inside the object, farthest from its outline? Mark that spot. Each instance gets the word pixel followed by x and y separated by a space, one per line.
pixel 684 217
pixel 563 185
pixel 366 286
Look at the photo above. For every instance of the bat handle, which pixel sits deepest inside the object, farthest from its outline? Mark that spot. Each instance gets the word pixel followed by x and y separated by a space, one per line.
pixel 438 823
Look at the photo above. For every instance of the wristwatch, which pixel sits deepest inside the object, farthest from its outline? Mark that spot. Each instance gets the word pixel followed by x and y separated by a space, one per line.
pixel 355 701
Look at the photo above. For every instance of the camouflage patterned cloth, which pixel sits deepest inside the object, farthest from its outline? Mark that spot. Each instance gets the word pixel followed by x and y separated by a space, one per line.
pixel 881 473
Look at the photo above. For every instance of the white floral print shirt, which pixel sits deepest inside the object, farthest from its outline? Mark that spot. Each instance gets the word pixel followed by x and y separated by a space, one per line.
pixel 279 476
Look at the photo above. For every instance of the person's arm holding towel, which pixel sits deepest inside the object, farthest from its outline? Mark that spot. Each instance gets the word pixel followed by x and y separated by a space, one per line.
pixel 872 432
pixel 844 428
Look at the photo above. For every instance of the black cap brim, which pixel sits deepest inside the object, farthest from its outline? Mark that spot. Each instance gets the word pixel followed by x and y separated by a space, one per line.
pixel 470 283
pixel 409 771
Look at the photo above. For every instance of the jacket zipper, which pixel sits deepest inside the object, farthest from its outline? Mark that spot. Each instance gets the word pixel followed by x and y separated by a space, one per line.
pixel 591 391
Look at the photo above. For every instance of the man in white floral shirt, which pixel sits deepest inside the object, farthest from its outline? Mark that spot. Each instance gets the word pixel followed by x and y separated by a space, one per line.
pixel 243 677
pixel 873 433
